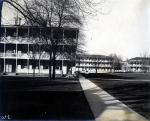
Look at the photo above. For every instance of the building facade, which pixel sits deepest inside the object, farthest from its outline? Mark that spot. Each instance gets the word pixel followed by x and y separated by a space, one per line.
pixel 20 54
pixel 137 64
pixel 94 64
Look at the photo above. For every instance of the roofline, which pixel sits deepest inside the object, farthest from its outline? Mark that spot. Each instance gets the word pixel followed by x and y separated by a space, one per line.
pixel 93 55
pixel 135 58
pixel 37 26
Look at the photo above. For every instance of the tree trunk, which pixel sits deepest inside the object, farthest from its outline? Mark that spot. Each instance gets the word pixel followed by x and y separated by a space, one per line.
pixel 39 65
pixel 96 70
pixel 54 66
pixel 33 71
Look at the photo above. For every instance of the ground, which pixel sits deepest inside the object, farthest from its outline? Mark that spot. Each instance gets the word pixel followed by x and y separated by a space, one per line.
pixel 25 98
pixel 133 89
pixel 22 97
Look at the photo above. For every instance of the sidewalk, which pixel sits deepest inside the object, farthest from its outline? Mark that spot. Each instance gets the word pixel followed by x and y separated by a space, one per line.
pixel 105 107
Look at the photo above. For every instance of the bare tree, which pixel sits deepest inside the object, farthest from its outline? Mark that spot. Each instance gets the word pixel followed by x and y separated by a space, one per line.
pixel 48 14
pixel 145 62
pixel 116 64
pixel 54 13
pixel 33 56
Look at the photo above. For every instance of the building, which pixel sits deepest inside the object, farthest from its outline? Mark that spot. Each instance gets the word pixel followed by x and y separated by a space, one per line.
pixel 138 64
pixel 19 54
pixel 94 64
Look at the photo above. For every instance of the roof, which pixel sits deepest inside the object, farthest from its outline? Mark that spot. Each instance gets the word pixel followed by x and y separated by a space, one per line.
pixel 92 56
pixel 26 26
pixel 140 58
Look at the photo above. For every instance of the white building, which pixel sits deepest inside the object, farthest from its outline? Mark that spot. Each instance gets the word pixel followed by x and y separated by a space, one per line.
pixel 19 55
pixel 94 64
pixel 137 64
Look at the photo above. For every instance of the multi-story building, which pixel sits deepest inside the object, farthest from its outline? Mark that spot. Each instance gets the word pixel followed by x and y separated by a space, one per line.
pixel 94 64
pixel 19 54
pixel 138 64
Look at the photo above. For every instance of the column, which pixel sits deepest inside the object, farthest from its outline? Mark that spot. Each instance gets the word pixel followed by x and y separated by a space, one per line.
pixel 39 58
pixel 28 59
pixel 5 52
pixel 28 49
pixel 62 64
pixel 16 57
pixel 17 39
pixel 4 57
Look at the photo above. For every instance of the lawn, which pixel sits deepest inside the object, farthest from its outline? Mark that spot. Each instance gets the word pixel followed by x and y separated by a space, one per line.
pixel 119 75
pixel 60 99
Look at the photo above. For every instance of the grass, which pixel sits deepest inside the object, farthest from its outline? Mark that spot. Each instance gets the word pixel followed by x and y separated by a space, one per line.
pixel 23 98
pixel 52 105
pixel 119 75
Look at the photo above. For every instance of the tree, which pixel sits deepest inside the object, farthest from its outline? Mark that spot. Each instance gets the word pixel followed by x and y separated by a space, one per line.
pixel 54 13
pixel 116 64
pixel 35 54
pixel 145 62
pixel 95 66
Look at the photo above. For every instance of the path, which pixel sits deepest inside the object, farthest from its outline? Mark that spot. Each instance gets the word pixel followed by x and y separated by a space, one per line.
pixel 105 107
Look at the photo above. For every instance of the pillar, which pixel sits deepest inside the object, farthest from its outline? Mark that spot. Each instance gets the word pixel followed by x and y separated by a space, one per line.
pixel 4 57
pixel 28 59
pixel 62 64
pixel 16 56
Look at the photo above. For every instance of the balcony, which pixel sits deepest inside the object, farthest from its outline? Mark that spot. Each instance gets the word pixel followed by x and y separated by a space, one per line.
pixel 1 55
pixel 10 55
pixel 22 56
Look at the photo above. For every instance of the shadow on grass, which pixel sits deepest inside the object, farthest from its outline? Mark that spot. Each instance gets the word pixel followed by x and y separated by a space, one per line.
pixel 145 76
pixel 45 105
pixel 42 105
pixel 20 82
pixel 105 76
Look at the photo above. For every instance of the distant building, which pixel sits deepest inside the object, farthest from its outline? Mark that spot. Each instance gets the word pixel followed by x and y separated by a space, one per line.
pixel 17 49
pixel 125 66
pixel 137 64
pixel 94 64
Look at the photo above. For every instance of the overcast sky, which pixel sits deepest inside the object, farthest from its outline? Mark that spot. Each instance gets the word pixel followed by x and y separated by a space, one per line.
pixel 123 28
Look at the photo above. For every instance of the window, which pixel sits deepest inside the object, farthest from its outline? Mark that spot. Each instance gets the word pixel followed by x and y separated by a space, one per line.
pixel 57 33
pixel 11 32
pixel 45 67
pixel 69 33
pixel 57 67
pixel 23 32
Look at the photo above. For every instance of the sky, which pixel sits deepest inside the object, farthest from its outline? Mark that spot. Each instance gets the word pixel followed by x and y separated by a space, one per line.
pixel 120 26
